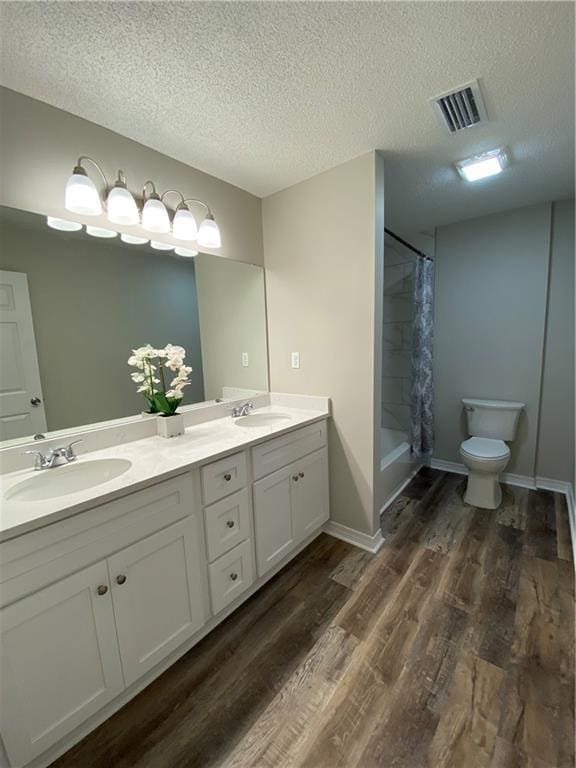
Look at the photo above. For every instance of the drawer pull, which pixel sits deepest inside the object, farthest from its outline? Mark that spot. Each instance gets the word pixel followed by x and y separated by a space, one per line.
pixel 102 589
pixel 121 579
pixel 227 477
pixel 295 478
pixel 230 523
pixel 233 576
pixel 300 474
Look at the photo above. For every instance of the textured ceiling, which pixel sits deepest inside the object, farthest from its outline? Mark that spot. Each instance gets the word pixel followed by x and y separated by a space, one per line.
pixel 266 94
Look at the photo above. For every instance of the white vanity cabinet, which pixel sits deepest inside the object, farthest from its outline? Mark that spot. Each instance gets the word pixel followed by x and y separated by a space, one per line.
pixel 291 502
pixel 97 604
pixel 74 644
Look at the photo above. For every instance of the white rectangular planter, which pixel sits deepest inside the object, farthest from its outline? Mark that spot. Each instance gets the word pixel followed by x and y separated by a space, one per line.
pixel 170 426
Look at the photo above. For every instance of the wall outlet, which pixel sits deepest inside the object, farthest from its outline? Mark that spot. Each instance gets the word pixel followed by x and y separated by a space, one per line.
pixel 245 362
pixel 295 359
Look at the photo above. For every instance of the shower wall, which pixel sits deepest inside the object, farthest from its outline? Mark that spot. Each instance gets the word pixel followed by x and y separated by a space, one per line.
pixel 398 316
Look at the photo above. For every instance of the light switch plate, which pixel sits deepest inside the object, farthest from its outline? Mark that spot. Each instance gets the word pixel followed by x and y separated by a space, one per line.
pixel 295 359
pixel 245 362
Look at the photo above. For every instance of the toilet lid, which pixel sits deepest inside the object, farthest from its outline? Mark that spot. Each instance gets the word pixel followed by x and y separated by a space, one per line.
pixel 485 448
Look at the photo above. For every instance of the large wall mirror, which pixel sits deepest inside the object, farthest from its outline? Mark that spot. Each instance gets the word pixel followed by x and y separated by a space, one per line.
pixel 72 308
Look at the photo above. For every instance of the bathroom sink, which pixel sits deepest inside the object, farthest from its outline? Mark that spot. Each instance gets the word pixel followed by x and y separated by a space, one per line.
pixel 72 478
pixel 262 419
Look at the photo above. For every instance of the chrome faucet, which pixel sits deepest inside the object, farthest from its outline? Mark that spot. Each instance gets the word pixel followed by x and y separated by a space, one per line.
pixel 242 410
pixel 56 457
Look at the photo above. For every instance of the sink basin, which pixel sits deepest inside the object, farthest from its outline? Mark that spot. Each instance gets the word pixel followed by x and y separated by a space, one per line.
pixel 71 478
pixel 262 419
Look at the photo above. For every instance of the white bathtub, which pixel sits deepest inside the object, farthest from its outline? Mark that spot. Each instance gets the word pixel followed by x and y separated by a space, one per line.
pixel 397 465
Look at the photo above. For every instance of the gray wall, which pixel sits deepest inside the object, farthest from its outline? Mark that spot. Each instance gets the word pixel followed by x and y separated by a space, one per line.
pixel 555 454
pixel 92 302
pixel 491 288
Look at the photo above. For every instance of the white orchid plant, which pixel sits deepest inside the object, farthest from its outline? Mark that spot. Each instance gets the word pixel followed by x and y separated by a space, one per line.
pixel 151 364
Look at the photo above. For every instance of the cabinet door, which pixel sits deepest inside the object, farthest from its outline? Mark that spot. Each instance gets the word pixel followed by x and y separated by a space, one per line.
pixel 59 661
pixel 273 519
pixel 310 495
pixel 157 594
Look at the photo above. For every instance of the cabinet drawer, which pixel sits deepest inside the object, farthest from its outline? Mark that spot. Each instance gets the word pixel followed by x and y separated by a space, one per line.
pixel 281 451
pixel 227 523
pixel 231 575
pixel 223 477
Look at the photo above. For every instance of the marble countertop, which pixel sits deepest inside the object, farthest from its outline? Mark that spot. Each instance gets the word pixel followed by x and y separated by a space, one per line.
pixel 153 459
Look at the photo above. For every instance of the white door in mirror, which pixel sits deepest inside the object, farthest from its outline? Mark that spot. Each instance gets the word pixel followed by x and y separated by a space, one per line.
pixel 21 399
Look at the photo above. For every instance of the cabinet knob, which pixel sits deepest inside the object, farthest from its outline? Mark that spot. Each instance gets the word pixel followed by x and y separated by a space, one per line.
pixel 295 478
pixel 233 576
pixel 227 477
pixel 102 589
pixel 120 579
pixel 230 523
pixel 300 474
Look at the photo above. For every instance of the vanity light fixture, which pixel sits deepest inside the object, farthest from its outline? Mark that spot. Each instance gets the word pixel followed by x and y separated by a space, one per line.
pixel 64 224
pixel 133 239
pixel 483 165
pixel 122 208
pixel 186 252
pixel 82 196
pixel 100 232
pixel 160 246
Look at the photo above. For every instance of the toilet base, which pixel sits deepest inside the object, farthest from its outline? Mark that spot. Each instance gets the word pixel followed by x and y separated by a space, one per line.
pixel 483 490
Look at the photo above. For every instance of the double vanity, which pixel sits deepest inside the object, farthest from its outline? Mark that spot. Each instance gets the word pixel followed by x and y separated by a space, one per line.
pixel 115 564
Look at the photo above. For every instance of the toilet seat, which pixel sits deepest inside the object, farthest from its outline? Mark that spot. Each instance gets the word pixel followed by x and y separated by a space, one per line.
pixel 485 448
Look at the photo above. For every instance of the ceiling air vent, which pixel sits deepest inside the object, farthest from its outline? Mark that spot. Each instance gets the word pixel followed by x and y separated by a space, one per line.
pixel 462 108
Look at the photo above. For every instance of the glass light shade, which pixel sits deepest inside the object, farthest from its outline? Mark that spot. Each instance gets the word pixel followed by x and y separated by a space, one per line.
pixel 159 246
pixel 81 195
pixel 155 216
pixel 122 208
pixel 184 226
pixel 100 231
pixel 64 224
pixel 133 239
pixel 209 234
pixel 186 252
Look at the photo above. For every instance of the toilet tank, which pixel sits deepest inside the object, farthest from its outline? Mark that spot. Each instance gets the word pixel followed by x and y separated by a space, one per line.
pixel 496 419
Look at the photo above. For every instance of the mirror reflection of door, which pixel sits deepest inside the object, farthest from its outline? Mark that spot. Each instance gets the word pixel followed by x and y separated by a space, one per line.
pixel 21 401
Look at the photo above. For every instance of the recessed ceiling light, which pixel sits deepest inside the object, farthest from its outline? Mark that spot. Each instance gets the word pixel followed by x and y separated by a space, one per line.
pixel 482 166
pixel 186 252
pixel 63 224
pixel 159 246
pixel 100 232
pixel 133 239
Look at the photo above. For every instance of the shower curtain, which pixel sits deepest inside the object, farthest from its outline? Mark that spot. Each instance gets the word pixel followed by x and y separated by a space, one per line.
pixel 422 393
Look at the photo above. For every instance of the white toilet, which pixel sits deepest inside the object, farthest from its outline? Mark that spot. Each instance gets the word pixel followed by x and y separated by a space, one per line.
pixel 490 423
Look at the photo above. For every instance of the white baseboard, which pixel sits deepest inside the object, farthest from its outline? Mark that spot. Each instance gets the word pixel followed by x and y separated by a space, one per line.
pixel 352 536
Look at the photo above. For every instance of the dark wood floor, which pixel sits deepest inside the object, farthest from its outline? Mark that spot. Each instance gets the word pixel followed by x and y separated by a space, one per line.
pixel 453 646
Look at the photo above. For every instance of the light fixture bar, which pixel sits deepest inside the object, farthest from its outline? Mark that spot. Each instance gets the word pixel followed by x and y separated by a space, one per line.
pixel 82 197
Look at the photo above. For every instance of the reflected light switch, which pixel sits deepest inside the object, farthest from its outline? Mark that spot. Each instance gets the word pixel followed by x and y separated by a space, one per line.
pixel 295 359
pixel 245 362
